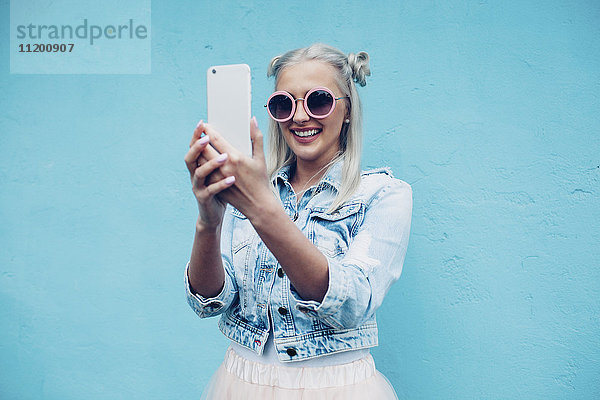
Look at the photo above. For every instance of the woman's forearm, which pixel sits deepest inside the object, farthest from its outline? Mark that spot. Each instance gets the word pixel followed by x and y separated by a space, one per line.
pixel 206 274
pixel 305 266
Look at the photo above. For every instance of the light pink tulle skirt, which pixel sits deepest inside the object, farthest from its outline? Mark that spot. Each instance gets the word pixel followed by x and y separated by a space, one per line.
pixel 239 378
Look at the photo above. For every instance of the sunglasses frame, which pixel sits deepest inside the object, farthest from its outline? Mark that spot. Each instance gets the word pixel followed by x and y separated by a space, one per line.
pixel 304 103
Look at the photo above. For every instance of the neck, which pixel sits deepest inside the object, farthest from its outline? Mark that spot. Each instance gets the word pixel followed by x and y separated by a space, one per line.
pixel 307 174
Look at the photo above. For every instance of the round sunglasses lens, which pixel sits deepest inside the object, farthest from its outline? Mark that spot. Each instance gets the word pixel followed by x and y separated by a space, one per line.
pixel 319 102
pixel 280 106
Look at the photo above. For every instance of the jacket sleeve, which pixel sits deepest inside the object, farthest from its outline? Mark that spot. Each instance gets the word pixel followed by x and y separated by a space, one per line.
pixel 211 306
pixel 359 281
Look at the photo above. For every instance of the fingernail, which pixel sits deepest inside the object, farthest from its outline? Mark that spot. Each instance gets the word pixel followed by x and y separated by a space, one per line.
pixel 222 157
pixel 255 122
pixel 229 180
pixel 204 139
pixel 199 123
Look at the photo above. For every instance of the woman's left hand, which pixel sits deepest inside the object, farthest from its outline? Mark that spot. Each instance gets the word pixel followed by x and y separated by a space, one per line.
pixel 251 191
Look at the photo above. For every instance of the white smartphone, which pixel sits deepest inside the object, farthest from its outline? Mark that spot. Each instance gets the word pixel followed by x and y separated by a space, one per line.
pixel 229 101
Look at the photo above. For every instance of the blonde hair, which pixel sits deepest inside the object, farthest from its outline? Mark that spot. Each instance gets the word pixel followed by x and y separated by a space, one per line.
pixel 351 68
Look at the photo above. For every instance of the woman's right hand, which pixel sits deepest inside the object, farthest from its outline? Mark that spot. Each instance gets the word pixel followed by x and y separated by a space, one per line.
pixel 211 209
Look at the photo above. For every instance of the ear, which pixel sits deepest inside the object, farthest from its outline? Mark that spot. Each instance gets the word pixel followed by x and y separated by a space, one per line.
pixel 346 112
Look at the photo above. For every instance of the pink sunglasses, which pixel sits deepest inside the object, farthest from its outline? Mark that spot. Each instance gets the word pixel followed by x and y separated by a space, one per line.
pixel 319 102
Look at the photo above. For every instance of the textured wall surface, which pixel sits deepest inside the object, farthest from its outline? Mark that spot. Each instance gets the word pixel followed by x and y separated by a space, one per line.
pixel 490 110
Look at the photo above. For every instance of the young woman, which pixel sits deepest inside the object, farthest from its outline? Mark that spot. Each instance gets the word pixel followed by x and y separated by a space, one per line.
pixel 298 255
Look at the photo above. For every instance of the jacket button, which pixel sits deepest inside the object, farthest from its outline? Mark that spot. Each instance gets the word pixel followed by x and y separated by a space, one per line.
pixel 291 352
pixel 280 272
pixel 282 310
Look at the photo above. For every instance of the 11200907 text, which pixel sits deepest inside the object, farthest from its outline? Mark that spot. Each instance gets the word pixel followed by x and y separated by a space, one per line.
pixel 46 48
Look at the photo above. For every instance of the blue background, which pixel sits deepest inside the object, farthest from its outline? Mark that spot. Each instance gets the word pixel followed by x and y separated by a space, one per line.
pixel 490 110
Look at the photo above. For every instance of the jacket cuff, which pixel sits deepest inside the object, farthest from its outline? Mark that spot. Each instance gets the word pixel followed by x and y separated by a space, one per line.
pixel 335 297
pixel 207 306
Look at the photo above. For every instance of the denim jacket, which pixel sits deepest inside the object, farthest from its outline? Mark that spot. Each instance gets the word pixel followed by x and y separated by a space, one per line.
pixel 364 241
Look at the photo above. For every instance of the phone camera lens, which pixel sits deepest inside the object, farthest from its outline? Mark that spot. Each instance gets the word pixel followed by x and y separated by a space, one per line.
pixel 214 71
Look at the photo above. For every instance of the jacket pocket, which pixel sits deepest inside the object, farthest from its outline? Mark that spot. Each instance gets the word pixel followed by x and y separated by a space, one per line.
pixel 332 232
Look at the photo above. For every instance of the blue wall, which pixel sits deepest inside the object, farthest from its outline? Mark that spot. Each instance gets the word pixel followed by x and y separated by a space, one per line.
pixel 490 110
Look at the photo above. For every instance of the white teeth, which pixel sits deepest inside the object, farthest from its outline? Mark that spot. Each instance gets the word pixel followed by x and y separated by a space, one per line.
pixel 311 132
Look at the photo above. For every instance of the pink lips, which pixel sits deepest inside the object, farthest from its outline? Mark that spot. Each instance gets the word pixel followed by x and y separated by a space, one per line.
pixel 307 139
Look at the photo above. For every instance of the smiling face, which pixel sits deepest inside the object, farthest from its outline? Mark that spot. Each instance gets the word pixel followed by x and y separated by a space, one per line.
pixel 314 141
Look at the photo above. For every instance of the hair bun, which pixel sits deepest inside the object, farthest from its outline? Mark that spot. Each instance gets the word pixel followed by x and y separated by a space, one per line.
pixel 359 63
pixel 271 68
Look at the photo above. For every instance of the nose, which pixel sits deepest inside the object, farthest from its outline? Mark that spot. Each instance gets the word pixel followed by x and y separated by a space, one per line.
pixel 300 114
